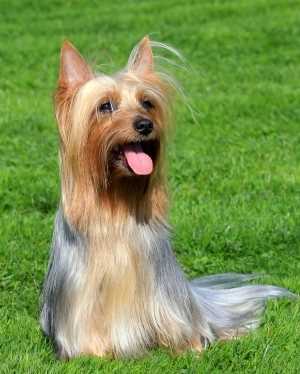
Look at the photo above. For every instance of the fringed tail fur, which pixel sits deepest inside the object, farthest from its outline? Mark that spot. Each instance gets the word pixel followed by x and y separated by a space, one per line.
pixel 229 307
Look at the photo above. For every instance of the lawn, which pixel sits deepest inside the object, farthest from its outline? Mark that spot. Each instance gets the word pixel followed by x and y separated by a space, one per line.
pixel 234 173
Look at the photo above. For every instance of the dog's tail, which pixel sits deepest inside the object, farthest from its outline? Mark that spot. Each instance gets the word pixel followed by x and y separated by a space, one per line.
pixel 228 306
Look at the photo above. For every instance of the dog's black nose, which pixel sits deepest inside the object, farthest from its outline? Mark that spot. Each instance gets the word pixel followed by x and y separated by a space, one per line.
pixel 143 126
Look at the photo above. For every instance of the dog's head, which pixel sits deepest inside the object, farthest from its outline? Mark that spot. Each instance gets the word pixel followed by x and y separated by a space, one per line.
pixel 112 128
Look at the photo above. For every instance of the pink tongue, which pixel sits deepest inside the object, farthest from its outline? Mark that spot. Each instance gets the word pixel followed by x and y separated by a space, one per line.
pixel 139 161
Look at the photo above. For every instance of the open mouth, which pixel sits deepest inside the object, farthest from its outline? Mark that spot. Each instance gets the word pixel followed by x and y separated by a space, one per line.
pixel 138 157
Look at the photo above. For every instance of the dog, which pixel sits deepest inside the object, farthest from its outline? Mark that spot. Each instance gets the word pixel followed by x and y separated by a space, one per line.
pixel 114 287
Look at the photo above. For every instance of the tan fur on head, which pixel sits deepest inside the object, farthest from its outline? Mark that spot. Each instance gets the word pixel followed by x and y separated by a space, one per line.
pixel 89 138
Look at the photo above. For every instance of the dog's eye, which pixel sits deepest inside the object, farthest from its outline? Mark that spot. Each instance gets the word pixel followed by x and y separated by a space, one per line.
pixel 147 104
pixel 106 107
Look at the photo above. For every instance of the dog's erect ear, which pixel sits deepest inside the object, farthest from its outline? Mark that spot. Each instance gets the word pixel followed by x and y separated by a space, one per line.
pixel 73 68
pixel 142 61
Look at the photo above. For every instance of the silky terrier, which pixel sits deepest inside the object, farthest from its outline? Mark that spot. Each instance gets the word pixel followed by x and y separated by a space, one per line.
pixel 114 287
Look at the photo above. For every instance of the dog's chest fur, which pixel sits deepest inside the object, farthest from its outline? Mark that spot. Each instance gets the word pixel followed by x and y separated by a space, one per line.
pixel 114 288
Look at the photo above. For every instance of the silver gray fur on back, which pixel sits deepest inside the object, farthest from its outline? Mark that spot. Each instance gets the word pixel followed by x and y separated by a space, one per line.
pixel 209 308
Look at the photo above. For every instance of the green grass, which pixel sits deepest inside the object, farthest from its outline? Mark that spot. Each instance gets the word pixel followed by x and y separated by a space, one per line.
pixel 234 176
